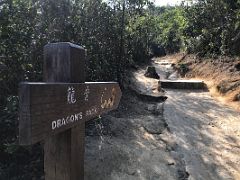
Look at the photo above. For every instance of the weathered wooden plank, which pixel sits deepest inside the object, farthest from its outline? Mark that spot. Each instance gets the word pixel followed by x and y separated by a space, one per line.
pixel 64 62
pixel 57 155
pixel 25 113
pixel 68 105
pixel 77 152
pixel 56 111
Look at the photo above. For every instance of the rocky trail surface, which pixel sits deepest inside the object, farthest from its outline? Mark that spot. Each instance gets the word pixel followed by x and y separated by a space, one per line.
pixel 189 136
pixel 132 143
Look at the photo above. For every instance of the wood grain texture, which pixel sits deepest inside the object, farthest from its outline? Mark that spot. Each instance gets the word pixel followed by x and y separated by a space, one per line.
pixel 56 111
pixel 64 62
pixel 57 156
pixel 24 113
pixel 77 152
pixel 47 105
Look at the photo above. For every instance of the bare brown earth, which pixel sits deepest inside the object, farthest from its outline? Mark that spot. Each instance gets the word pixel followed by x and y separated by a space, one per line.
pixel 132 143
pixel 220 74
pixel 207 134
pixel 206 131
pixel 190 136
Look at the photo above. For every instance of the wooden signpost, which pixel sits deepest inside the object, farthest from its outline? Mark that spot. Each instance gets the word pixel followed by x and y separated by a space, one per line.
pixel 55 111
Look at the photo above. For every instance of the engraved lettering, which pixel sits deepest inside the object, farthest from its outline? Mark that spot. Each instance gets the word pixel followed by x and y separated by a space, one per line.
pixel 58 123
pixel 86 93
pixel 76 117
pixel 92 111
pixel 54 125
pixel 108 103
pixel 72 118
pixel 71 95
pixel 65 121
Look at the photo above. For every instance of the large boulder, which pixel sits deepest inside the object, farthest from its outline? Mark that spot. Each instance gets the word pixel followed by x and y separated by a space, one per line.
pixel 151 72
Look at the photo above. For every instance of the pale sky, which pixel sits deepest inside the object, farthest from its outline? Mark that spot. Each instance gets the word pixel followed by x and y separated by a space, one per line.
pixel 166 2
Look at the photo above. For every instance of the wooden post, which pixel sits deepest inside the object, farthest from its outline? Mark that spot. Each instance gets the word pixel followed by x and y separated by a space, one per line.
pixel 55 111
pixel 64 152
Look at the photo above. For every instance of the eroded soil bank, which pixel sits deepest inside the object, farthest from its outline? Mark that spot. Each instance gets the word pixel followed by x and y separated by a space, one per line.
pixel 222 75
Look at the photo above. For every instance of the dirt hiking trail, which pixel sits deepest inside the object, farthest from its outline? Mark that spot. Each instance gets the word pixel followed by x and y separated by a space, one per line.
pixel 189 136
pixel 207 132
pixel 132 143
pixel 207 135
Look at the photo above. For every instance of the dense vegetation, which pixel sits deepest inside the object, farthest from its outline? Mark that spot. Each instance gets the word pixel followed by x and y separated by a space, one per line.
pixel 116 35
pixel 213 27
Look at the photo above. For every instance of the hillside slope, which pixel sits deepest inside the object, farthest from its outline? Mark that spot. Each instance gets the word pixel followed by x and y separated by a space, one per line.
pixel 222 75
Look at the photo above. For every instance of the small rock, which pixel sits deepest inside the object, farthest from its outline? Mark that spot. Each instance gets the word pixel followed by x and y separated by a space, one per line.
pixel 151 73
pixel 170 163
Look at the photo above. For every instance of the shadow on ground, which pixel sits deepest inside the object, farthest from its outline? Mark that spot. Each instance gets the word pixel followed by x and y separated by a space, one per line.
pixel 132 143
pixel 207 134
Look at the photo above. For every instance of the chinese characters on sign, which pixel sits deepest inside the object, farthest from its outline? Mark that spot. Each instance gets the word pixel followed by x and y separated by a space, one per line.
pixel 71 95
pixel 105 103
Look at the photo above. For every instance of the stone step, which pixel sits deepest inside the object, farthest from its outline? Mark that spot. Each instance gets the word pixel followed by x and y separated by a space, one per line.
pixel 183 84
pixel 164 63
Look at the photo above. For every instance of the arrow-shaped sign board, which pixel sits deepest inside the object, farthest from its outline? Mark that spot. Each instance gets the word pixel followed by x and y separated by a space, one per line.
pixel 51 108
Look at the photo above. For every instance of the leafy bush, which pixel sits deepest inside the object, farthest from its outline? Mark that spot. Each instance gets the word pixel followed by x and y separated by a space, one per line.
pixel 213 27
pixel 183 69
pixel 115 36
